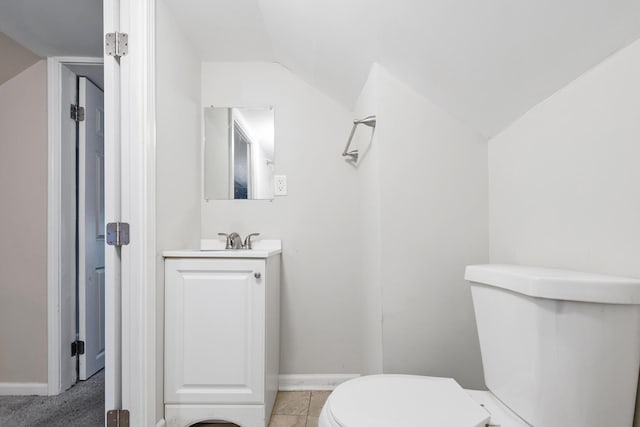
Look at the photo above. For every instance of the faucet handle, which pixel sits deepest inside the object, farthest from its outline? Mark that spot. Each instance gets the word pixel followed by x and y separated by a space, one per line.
pixel 247 240
pixel 228 245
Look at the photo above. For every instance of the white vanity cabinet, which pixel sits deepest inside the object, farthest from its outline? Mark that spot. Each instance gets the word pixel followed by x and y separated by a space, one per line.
pixel 221 336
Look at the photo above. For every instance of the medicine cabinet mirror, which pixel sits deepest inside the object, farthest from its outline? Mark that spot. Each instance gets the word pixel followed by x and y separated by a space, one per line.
pixel 239 146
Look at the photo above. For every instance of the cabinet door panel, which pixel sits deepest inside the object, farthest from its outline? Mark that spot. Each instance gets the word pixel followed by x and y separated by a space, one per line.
pixel 214 335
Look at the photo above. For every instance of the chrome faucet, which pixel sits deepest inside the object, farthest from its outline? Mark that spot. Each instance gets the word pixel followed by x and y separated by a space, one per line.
pixel 234 241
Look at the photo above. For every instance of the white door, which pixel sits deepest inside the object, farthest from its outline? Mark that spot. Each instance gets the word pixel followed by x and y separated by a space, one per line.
pixel 113 379
pixel 214 331
pixel 91 229
pixel 68 144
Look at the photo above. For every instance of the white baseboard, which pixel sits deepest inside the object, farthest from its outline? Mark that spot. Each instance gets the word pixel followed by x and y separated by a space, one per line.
pixel 24 389
pixel 161 423
pixel 312 381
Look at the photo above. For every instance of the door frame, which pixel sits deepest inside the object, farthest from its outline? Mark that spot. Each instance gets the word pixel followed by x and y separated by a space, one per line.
pixel 56 348
pixel 141 390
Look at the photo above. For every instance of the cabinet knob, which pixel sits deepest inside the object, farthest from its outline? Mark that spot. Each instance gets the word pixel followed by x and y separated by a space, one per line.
pixel 257 275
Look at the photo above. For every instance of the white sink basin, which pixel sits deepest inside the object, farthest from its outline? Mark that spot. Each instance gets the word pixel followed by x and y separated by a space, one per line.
pixel 215 248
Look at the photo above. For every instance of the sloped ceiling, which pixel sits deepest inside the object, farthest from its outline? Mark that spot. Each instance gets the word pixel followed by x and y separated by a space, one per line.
pixel 486 62
pixel 15 58
pixel 229 30
pixel 54 27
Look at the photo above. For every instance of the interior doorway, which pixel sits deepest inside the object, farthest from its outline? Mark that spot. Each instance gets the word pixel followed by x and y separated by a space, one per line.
pixel 90 228
pixel 77 302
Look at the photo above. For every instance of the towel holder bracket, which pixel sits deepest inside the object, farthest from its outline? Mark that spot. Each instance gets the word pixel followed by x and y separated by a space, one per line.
pixel 353 154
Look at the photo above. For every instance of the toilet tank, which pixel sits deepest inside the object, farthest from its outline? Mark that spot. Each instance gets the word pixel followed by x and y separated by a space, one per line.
pixel 559 348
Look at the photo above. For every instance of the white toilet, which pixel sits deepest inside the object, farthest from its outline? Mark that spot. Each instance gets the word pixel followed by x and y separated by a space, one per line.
pixel 559 349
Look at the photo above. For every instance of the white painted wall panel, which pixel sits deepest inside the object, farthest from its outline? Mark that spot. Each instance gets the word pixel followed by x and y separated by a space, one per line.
pixel 370 229
pixel 432 179
pixel 317 221
pixel 564 179
pixel 178 148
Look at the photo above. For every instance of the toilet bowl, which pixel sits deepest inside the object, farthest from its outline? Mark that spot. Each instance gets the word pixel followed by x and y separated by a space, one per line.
pixel 546 339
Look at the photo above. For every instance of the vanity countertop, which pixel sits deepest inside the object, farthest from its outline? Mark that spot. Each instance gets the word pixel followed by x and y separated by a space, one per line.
pixel 215 249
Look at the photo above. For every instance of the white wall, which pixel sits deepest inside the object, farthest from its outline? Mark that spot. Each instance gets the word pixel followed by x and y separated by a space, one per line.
pixel 178 149
pixel 388 239
pixel 564 179
pixel 430 188
pixel 23 215
pixel 368 169
pixel 317 221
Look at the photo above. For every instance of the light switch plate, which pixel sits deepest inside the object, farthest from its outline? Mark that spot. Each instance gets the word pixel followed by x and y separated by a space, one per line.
pixel 280 185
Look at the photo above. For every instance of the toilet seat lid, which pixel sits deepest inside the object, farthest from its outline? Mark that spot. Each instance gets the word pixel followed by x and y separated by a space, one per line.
pixel 404 400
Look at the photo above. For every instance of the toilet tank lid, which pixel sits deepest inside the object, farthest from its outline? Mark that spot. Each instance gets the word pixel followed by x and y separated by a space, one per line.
pixel 557 284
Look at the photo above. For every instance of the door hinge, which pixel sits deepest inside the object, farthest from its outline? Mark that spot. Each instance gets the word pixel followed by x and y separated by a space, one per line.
pixel 118 233
pixel 77 113
pixel 77 347
pixel 116 44
pixel 118 418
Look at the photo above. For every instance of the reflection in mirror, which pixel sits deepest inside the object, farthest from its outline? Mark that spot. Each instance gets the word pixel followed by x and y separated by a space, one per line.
pixel 238 153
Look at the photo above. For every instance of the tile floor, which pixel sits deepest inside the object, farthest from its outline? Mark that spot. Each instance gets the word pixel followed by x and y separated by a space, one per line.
pixel 293 409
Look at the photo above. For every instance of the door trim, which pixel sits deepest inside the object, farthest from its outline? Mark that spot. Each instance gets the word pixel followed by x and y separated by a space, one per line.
pixel 55 347
pixel 141 391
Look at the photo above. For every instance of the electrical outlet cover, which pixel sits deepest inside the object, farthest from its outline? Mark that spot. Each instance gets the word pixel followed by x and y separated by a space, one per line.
pixel 280 185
